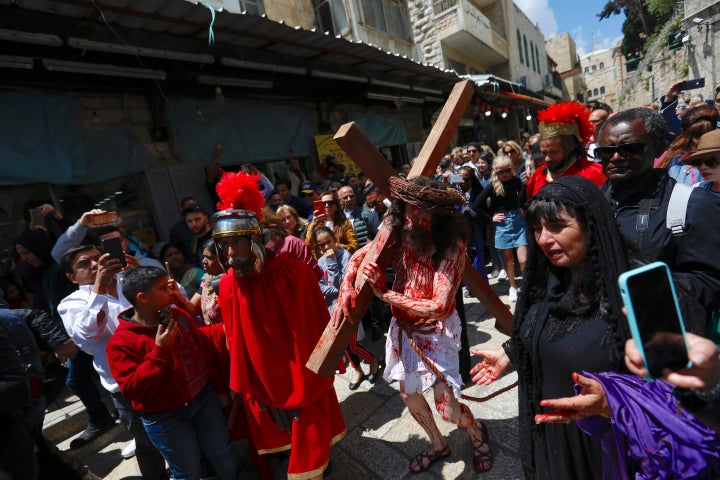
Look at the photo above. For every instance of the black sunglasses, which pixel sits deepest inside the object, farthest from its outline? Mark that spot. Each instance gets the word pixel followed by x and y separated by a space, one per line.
pixel 329 204
pixel 503 171
pixel 631 149
pixel 710 162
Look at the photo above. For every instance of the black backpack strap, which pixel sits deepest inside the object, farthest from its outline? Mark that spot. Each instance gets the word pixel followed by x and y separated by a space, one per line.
pixel 643 218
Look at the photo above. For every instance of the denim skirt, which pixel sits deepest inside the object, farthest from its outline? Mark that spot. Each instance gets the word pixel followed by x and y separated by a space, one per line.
pixel 510 233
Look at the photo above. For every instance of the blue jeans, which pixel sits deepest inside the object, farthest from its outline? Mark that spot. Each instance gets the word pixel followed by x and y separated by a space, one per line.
pixel 151 463
pixel 185 435
pixel 79 380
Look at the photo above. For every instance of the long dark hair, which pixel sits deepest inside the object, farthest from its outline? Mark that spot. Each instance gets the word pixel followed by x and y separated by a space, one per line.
pixel 595 295
pixel 446 229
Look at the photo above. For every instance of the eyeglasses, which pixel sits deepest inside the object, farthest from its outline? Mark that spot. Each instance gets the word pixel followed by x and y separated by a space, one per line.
pixel 511 152
pixel 86 263
pixel 472 150
pixel 710 162
pixel 329 204
pixel 503 171
pixel 632 149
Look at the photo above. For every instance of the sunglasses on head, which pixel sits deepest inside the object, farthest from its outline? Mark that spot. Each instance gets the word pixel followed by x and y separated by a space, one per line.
pixel 631 149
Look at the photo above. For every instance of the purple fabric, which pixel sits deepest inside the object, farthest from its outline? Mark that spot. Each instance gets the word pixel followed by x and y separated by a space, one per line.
pixel 652 437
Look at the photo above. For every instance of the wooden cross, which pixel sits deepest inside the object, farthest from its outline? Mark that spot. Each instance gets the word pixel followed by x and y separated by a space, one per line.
pixel 333 342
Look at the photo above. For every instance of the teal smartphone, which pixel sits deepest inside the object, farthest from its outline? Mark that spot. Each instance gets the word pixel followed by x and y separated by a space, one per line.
pixel 655 319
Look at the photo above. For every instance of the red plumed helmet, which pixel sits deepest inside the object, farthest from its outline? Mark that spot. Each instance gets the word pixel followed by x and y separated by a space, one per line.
pixel 567 118
pixel 240 191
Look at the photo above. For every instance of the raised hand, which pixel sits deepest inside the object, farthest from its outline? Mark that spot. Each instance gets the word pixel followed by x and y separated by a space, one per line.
pixel 166 335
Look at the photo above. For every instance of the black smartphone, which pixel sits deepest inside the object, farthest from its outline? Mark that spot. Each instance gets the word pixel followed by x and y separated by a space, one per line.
pixel 654 316
pixel 113 246
pixel 693 84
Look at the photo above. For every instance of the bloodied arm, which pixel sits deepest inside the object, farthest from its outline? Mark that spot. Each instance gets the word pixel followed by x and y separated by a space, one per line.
pixel 445 282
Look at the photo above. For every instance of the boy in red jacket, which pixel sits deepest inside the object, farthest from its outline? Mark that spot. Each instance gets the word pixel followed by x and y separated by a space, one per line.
pixel 164 365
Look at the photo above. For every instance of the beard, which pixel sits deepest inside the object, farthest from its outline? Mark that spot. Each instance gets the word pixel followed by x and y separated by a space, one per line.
pixel 418 240
pixel 241 265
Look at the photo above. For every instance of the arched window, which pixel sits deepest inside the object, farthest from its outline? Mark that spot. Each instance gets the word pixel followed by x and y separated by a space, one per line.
pixel 602 90
pixel 602 66
pixel 594 67
pixel 595 92
pixel 589 94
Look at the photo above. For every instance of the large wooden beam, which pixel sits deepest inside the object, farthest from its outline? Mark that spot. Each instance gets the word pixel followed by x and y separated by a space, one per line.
pixel 442 132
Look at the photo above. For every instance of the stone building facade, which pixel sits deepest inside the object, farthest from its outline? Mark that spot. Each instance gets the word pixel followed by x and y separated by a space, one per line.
pixel 604 75
pixel 561 48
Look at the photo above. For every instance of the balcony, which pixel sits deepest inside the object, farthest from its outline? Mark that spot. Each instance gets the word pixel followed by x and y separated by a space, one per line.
pixel 462 26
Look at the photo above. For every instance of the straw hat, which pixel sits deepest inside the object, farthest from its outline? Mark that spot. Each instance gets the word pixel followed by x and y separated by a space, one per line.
pixel 709 145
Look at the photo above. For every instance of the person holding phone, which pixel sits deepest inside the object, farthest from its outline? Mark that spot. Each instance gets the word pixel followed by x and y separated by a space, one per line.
pixel 335 220
pixel 569 336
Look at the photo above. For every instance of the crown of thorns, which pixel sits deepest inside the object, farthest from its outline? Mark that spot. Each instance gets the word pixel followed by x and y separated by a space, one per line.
pixel 435 200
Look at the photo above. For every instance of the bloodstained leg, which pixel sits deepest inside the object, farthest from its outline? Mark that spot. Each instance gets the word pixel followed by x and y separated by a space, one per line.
pixel 420 410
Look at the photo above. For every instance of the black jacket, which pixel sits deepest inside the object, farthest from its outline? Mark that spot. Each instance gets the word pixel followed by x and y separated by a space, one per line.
pixel 694 258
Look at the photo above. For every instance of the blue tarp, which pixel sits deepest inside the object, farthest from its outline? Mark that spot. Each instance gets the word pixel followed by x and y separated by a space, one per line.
pixel 248 132
pixel 41 140
pixel 383 130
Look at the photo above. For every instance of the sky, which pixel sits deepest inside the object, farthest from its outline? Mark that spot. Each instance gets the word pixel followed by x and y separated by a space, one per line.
pixel 579 18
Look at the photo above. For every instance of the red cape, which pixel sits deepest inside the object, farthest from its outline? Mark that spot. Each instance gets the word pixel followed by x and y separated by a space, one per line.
pixel 272 322
pixel 582 168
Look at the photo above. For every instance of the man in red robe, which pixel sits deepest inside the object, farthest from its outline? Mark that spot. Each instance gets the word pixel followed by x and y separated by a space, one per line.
pixel 274 313
pixel 565 129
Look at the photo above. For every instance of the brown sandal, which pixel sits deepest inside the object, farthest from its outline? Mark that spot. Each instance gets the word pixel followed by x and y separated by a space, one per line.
pixel 482 454
pixel 418 461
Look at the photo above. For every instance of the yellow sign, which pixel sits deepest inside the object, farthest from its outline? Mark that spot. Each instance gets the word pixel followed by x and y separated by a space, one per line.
pixel 325 146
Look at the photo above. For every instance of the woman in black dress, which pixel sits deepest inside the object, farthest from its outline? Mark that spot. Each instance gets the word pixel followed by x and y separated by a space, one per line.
pixel 568 319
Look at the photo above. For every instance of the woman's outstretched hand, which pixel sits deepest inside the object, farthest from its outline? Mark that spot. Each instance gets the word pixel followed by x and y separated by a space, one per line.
pixel 590 401
pixel 494 363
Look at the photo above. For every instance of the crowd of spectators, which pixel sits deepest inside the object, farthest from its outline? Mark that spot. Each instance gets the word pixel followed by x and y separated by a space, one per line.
pixel 608 177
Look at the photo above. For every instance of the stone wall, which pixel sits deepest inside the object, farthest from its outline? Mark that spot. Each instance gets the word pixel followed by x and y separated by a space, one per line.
pixel 696 58
pixel 292 12
pixel 562 50
pixel 422 21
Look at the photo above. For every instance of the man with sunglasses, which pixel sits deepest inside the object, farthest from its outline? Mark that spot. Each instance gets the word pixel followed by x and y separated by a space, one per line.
pixel 564 130
pixel 640 195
